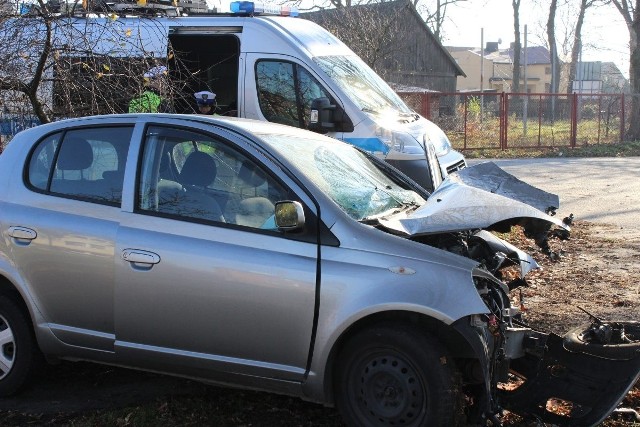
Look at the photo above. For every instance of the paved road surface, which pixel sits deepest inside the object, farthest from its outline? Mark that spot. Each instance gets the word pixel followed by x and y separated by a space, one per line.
pixel 605 190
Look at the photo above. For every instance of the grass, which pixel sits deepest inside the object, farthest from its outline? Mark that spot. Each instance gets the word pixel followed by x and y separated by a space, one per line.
pixel 623 149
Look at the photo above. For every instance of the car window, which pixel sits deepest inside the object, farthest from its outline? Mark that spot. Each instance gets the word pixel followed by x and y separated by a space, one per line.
pixel 84 163
pixel 195 176
pixel 285 92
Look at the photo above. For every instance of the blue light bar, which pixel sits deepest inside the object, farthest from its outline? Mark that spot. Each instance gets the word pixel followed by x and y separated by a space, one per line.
pixel 259 8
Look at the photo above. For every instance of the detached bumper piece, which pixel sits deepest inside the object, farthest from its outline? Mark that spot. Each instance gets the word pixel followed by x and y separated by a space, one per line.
pixel 577 387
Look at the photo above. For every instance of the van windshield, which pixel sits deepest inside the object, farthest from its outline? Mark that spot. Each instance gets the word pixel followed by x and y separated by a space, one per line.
pixel 365 88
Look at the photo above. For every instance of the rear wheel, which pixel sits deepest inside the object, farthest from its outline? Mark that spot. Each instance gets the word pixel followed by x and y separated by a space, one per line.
pixel 394 375
pixel 19 354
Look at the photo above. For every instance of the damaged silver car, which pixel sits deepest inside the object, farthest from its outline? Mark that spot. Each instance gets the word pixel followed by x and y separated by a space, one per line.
pixel 256 255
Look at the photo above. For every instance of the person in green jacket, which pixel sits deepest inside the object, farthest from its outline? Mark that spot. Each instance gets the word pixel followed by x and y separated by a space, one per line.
pixel 151 99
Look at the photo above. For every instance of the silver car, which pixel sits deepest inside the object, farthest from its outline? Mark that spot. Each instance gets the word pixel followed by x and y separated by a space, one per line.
pixel 263 256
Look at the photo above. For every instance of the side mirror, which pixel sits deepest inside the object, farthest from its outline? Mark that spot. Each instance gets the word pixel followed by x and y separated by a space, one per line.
pixel 289 215
pixel 326 117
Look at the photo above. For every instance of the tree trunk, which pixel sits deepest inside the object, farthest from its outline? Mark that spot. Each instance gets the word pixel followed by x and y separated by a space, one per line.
pixel 577 45
pixel 515 87
pixel 633 134
pixel 553 49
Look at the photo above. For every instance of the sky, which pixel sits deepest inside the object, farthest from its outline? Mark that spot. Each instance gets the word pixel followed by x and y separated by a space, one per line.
pixel 605 36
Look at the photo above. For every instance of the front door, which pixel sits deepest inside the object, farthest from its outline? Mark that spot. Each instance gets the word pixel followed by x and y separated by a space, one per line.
pixel 204 281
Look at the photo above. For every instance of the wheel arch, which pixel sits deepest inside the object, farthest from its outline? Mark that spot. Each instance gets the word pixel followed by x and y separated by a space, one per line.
pixel 449 337
pixel 9 289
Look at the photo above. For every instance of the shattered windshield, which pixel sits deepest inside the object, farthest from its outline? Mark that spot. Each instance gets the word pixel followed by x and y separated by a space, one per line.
pixel 356 184
pixel 362 85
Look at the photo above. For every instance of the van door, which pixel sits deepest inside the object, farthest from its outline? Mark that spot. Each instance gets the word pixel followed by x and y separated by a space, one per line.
pixel 279 89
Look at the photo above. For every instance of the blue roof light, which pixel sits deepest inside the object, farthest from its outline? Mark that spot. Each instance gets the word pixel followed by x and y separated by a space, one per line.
pixel 259 8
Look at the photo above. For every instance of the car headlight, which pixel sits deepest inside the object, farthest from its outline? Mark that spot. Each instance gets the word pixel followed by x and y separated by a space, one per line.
pixel 439 140
pixel 399 141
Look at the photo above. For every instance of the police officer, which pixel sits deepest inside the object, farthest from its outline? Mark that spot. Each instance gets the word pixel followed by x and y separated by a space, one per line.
pixel 151 99
pixel 206 102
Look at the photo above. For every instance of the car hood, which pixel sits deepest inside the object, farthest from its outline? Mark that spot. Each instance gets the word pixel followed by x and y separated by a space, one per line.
pixel 479 197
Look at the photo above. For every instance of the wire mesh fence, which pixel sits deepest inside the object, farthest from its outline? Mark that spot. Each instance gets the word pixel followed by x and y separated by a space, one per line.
pixel 485 120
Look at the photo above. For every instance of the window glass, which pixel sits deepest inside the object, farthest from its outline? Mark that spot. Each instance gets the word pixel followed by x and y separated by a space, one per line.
pixel 89 164
pixel 194 176
pixel 352 181
pixel 285 92
pixel 276 92
pixel 362 85
pixel 41 161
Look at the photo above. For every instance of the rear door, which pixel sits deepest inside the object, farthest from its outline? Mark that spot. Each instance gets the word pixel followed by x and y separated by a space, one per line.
pixel 200 295
pixel 62 228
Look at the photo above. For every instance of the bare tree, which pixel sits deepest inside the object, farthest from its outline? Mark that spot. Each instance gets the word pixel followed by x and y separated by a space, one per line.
pixel 629 11
pixel 55 65
pixel 433 12
pixel 553 47
pixel 25 56
pixel 435 15
pixel 517 47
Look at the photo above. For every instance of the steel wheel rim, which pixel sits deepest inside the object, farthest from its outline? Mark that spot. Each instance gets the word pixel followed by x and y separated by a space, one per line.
pixel 389 390
pixel 7 347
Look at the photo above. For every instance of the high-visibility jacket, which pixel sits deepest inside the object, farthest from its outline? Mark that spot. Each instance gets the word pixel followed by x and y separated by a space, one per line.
pixel 147 102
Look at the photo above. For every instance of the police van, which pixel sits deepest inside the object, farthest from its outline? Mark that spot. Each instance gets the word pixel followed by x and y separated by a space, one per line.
pixel 288 70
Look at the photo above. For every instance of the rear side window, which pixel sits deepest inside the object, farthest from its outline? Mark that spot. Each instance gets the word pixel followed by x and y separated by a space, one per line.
pixel 87 164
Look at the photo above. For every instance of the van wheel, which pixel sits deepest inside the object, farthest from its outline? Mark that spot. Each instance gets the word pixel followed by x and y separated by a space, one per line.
pixel 394 375
pixel 19 355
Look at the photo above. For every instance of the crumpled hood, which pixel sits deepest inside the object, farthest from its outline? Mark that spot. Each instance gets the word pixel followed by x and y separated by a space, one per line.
pixel 490 177
pixel 457 206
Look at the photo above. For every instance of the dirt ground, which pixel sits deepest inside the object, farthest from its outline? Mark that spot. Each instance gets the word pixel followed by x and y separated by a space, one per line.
pixel 598 270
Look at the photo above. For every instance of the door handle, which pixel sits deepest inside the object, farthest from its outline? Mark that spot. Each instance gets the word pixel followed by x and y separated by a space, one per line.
pixel 137 256
pixel 22 233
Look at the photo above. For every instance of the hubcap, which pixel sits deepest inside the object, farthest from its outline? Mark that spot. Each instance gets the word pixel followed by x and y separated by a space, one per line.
pixel 390 391
pixel 7 348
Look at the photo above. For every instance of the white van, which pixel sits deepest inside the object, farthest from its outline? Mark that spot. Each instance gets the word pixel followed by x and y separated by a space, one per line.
pixel 286 70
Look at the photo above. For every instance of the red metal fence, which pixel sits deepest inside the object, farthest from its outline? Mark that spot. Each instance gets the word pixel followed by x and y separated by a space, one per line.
pixel 475 120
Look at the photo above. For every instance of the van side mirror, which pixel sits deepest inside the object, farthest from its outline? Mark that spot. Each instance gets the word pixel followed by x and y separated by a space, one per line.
pixel 289 215
pixel 326 117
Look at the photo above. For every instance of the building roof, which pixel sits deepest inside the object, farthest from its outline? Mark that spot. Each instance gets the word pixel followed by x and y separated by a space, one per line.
pixel 535 54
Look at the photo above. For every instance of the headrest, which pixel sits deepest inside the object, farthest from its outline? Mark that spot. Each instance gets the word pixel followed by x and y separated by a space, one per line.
pixel 75 154
pixel 251 174
pixel 199 169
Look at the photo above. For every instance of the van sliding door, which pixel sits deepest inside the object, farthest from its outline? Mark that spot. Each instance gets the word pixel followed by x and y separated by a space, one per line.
pixel 204 58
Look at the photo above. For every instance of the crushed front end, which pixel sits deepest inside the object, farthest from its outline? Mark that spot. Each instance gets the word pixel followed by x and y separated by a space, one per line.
pixel 574 380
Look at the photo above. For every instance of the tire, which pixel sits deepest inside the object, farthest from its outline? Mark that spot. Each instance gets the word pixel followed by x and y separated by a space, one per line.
pixel 580 340
pixel 19 354
pixel 394 375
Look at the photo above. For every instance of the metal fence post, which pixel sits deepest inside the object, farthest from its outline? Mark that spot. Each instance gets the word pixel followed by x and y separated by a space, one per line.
pixel 574 120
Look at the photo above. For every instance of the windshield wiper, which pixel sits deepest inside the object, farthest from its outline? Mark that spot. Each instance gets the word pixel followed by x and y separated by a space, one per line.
pixel 402 207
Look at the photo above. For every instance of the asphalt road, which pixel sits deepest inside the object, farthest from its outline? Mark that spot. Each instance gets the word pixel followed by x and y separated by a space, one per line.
pixel 604 190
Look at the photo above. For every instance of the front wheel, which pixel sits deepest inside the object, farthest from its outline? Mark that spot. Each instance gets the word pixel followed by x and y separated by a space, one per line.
pixel 394 375
pixel 19 354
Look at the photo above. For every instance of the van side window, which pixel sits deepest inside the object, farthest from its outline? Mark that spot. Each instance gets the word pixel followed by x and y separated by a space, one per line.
pixel 285 92
pixel 86 164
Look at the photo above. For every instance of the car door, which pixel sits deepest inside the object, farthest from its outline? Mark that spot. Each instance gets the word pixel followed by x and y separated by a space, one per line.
pixel 202 293
pixel 63 225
